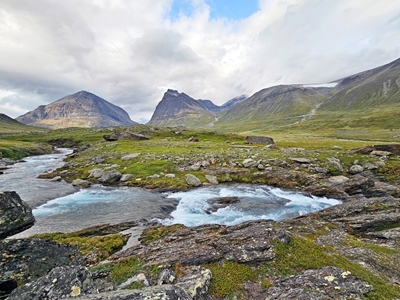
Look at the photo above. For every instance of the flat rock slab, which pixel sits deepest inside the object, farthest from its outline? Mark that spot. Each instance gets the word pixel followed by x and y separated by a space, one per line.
pixel 210 243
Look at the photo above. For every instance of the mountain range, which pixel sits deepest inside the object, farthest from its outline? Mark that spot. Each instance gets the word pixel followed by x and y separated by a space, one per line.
pixel 366 99
pixel 82 109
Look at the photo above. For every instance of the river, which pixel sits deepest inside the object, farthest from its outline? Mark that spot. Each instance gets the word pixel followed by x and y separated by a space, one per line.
pixel 57 206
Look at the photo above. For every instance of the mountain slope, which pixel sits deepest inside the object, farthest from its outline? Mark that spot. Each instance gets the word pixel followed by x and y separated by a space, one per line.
pixel 82 109
pixel 368 89
pixel 10 126
pixel 178 109
pixel 278 105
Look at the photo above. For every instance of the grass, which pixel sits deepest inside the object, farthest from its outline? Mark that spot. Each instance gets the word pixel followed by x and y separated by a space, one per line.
pixel 123 270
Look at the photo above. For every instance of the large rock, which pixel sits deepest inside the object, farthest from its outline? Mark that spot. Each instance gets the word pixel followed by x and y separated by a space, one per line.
pixel 110 177
pixel 61 282
pixel 15 214
pixel 28 259
pixel 192 180
pixel 260 140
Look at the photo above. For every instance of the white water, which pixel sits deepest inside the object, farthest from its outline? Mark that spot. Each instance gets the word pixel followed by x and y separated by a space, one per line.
pixel 60 207
pixel 256 202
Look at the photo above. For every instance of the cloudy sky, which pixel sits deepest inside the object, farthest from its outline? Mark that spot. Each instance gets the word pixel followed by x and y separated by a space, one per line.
pixel 130 52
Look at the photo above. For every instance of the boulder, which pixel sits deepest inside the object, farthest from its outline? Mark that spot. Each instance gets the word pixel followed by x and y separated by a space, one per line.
pixel 334 162
pixel 259 140
pixel 15 214
pixel 193 139
pixel 249 162
pixel 60 282
pixel 192 180
pixel 28 259
pixel 356 169
pixel 212 179
pixel 81 182
pixel 300 160
pixel 96 173
pixel 110 177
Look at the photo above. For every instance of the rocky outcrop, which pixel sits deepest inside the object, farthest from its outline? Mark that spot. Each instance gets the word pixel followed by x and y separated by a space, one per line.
pixel 210 243
pixel 15 214
pixel 124 135
pixel 25 260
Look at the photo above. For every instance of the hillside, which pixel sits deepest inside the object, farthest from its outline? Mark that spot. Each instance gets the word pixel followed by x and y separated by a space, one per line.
pixel 278 105
pixel 82 109
pixel 10 126
pixel 210 106
pixel 178 109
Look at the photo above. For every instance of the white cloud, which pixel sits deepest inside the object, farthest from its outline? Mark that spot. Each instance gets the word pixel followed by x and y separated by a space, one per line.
pixel 130 52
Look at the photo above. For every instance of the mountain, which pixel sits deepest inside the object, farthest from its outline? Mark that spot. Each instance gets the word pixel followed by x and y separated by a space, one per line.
pixel 373 88
pixel 210 106
pixel 82 109
pixel 178 109
pixel 278 105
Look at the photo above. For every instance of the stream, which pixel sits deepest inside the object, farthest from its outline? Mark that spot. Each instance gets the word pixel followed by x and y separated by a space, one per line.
pixel 57 206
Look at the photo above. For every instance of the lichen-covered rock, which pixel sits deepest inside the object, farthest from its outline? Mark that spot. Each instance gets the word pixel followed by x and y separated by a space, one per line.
pixel 15 214
pixel 196 282
pixel 260 140
pixel 60 282
pixel 162 292
pixel 28 259
pixel 81 183
pixel 210 243
pixel 325 283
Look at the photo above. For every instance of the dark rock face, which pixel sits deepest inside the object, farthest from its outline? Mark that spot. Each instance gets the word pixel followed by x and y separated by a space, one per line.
pixel 210 243
pixel 82 109
pixel 178 109
pixel 60 282
pixel 260 140
pixel 15 214
pixel 26 260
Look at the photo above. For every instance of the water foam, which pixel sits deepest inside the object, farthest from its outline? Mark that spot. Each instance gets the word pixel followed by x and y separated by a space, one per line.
pixel 256 202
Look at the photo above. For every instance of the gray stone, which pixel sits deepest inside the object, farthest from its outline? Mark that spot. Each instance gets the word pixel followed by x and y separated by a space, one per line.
pixel 139 278
pixel 15 214
pixel 196 282
pixel 195 167
pixel 212 179
pixel 356 169
pixel 126 177
pixel 192 180
pixel 249 162
pixel 170 175
pixel 57 178
pixel 335 180
pixel 130 156
pixel 300 160
pixel 335 163
pixel 81 183
pixel 110 177
pixel 96 173
pixel 166 276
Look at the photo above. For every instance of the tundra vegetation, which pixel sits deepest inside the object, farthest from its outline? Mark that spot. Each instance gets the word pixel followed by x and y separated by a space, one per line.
pixel 221 154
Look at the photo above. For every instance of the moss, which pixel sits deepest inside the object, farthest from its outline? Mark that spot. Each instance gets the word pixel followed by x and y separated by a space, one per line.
pixel 123 270
pixel 229 277
pixel 103 245
pixel 155 233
